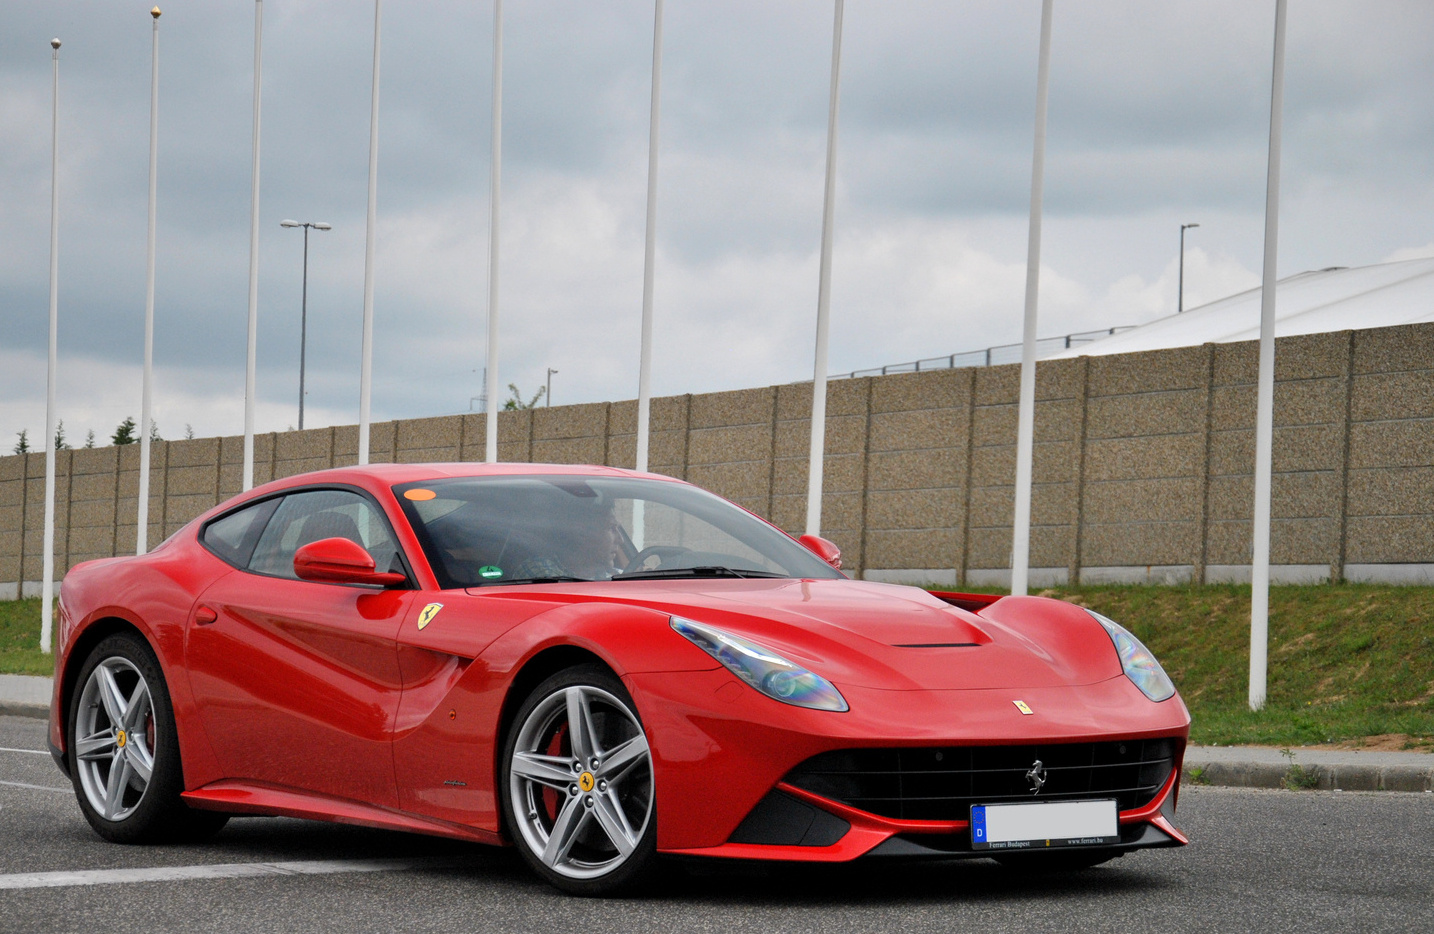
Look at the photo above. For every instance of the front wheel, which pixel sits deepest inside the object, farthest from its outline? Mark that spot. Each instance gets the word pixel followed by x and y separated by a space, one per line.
pixel 124 749
pixel 578 785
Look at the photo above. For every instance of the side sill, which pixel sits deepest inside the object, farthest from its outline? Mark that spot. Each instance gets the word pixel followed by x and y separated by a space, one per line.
pixel 234 797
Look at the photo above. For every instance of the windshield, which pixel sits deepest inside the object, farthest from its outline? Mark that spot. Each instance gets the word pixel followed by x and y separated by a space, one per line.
pixel 481 531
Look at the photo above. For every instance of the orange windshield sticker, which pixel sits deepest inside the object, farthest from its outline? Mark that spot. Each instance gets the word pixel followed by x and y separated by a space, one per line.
pixel 419 496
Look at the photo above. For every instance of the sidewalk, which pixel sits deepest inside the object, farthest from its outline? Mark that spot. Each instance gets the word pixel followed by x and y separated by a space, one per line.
pixel 1238 766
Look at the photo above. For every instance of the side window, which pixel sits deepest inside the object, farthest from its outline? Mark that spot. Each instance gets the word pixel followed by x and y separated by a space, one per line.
pixel 234 536
pixel 318 514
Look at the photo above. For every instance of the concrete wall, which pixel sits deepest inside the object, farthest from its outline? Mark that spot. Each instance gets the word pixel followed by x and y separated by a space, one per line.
pixel 1143 465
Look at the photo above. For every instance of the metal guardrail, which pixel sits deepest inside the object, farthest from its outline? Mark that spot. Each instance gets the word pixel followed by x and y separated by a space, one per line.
pixel 991 356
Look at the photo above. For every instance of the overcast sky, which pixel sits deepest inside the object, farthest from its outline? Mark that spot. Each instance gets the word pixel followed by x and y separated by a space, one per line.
pixel 1158 115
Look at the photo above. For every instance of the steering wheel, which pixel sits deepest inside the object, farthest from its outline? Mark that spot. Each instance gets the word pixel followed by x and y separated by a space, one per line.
pixel 662 552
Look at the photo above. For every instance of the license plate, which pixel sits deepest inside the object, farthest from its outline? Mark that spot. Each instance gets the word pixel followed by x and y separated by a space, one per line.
pixel 1044 824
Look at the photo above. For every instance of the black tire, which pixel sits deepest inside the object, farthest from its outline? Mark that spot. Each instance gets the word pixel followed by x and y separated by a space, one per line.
pixel 1062 860
pixel 132 808
pixel 596 872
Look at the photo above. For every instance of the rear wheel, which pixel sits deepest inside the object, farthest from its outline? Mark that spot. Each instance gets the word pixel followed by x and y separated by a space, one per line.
pixel 124 749
pixel 578 785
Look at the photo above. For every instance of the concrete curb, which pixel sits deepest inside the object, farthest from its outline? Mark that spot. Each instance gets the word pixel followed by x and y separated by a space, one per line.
pixel 1323 778
pixel 25 696
pixel 34 711
pixel 1309 769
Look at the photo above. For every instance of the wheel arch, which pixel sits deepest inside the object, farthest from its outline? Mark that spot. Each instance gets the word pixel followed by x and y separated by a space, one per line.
pixel 543 665
pixel 620 638
pixel 93 634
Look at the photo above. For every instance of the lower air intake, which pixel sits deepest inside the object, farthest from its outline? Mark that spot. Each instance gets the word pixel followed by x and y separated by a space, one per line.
pixel 941 783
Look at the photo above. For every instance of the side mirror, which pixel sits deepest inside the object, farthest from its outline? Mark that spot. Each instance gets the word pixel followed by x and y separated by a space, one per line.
pixel 340 561
pixel 824 549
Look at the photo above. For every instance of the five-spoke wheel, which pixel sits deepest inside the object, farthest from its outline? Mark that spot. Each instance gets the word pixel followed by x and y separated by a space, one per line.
pixel 124 749
pixel 114 738
pixel 579 789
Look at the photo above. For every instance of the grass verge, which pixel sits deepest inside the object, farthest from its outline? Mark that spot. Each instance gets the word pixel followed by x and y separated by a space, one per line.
pixel 1347 661
pixel 20 639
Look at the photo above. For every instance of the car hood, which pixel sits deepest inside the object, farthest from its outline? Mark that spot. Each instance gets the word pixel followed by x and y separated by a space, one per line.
pixel 888 636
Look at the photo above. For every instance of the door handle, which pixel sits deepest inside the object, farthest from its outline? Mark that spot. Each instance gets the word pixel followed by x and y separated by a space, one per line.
pixel 205 615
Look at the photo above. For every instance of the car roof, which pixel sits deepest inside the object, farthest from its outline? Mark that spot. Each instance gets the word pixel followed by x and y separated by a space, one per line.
pixel 371 475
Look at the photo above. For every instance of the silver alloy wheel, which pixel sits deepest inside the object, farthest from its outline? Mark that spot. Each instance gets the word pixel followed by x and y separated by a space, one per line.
pixel 115 738
pixel 580 783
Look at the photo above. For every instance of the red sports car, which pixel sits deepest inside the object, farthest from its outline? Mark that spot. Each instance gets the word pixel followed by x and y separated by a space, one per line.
pixel 596 666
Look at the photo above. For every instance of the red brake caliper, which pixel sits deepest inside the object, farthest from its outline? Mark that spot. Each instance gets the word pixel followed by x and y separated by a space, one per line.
pixel 551 796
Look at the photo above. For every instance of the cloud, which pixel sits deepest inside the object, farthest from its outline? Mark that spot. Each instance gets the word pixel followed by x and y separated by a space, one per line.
pixel 1158 117
pixel 96 395
pixel 1412 252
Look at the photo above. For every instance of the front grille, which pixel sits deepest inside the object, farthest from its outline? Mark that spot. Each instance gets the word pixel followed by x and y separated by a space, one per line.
pixel 941 783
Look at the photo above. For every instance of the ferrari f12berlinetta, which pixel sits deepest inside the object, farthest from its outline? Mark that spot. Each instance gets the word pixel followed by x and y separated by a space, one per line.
pixel 597 667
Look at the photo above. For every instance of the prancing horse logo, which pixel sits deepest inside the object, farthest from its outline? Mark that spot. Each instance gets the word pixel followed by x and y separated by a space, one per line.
pixel 1037 777
pixel 430 611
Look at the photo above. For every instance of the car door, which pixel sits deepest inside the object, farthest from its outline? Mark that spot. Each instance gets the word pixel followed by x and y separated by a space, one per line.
pixel 298 681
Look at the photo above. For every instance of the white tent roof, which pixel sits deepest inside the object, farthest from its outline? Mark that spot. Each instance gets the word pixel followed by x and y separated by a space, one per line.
pixel 1334 299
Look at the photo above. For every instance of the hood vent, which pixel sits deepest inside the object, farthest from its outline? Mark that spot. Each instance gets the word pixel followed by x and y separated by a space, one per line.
pixel 936 645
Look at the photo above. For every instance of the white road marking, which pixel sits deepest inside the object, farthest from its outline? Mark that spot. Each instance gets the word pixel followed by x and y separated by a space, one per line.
pixel 38 787
pixel 33 752
pixel 312 867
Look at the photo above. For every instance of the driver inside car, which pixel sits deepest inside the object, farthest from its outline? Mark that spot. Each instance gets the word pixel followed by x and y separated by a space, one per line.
pixel 592 547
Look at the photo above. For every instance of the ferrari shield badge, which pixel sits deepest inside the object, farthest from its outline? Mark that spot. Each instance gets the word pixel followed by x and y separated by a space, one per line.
pixel 1021 705
pixel 426 616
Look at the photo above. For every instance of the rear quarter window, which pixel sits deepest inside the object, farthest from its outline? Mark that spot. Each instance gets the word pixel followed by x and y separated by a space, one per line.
pixel 234 536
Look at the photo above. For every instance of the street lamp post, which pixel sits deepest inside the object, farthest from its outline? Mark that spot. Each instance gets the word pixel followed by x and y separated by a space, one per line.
pixel 146 423
pixel 495 180
pixel 1180 288
pixel 1265 386
pixel 548 393
pixel 817 452
pixel 1026 410
pixel 47 586
pixel 304 305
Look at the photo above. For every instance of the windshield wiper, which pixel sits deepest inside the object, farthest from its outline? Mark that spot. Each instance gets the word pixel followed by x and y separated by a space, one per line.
pixel 706 570
pixel 553 579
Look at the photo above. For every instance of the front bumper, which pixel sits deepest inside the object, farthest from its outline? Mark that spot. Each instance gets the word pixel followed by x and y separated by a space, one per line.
pixel 720 749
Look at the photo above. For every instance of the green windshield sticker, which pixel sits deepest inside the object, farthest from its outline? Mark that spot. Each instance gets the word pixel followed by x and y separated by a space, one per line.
pixel 489 572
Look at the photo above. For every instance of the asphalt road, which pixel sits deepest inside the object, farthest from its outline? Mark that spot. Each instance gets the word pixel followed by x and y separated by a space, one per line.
pixel 1261 861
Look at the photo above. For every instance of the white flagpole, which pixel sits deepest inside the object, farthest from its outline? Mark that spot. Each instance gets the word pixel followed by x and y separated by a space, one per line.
pixel 1026 419
pixel 644 367
pixel 1265 394
pixel 249 375
pixel 142 523
pixel 47 601
pixel 824 288
pixel 491 388
pixel 366 352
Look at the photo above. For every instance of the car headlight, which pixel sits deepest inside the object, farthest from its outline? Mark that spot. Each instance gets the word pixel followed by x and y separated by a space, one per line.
pixel 1139 664
pixel 762 668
